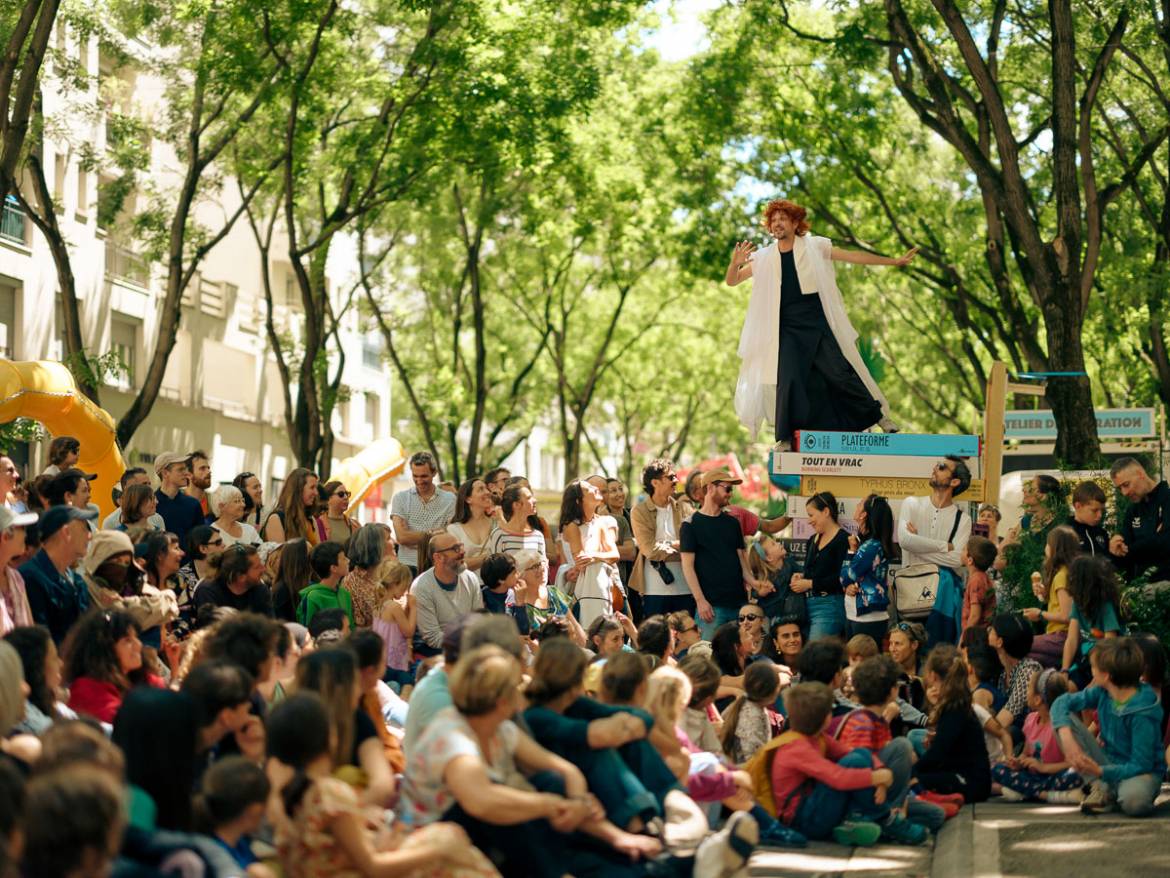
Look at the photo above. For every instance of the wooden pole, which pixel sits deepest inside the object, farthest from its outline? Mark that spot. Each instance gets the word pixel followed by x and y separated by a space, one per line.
pixel 994 405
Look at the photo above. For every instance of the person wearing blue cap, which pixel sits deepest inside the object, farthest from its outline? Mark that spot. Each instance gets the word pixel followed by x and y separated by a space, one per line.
pixel 57 595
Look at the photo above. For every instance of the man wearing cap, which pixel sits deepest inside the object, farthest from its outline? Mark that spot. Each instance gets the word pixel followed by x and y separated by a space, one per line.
pixel 14 608
pixel 714 560
pixel 56 594
pixel 180 512
pixel 113 580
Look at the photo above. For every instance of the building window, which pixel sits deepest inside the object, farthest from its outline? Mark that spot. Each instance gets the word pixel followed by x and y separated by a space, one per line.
pixel 372 350
pixel 12 220
pixel 82 191
pixel 60 169
pixel 7 321
pixel 124 342
pixel 373 409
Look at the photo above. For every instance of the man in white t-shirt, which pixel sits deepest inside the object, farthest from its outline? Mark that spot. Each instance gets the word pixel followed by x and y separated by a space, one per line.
pixel 657 572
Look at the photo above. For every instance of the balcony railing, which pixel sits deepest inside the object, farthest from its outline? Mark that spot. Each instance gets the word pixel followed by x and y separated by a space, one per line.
pixel 12 221
pixel 125 265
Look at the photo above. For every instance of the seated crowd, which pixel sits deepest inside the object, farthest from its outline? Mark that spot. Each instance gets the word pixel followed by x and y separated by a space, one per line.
pixel 207 685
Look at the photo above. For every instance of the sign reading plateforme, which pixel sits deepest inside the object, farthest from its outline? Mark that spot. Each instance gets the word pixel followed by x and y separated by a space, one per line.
pixel 1111 423
pixel 920 444
pixel 830 464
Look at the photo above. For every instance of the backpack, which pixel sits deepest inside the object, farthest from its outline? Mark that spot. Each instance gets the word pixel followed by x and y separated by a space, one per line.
pixel 759 769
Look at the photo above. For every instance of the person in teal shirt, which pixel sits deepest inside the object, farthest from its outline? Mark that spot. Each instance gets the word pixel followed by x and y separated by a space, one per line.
pixel 331 566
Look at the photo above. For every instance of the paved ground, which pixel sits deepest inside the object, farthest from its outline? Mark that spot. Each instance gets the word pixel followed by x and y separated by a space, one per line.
pixel 999 840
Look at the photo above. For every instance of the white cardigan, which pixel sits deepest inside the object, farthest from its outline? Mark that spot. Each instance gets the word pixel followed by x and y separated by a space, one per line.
pixel 759 341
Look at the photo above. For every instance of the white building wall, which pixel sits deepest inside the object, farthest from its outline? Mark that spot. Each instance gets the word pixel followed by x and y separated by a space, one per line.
pixel 222 390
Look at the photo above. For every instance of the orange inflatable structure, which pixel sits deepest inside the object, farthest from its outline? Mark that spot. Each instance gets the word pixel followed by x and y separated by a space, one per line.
pixel 46 392
pixel 370 467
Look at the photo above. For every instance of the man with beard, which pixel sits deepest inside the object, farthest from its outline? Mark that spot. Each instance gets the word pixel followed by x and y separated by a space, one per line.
pixel 932 530
pixel 926 524
pixel 444 593
pixel 714 559
pixel 800 365
pixel 199 481
pixel 114 581
pixel 238 583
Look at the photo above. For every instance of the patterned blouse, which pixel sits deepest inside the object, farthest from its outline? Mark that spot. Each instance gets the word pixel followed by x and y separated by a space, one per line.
pixel 363 588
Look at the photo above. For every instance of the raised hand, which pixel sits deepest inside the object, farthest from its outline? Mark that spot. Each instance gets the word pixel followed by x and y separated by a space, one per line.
pixel 742 252
pixel 906 258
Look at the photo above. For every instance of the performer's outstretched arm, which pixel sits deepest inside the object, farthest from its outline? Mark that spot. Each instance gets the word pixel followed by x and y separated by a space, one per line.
pixel 860 257
pixel 740 267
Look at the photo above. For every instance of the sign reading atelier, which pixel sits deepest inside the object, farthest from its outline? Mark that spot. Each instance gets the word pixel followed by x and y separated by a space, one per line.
pixel 920 444
pixel 891 488
pixel 829 464
pixel 1111 423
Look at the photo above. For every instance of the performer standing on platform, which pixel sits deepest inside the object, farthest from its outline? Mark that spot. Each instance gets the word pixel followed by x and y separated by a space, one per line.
pixel 800 365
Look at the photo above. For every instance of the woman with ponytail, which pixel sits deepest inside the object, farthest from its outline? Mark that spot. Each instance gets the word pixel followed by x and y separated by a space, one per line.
pixel 321 829
pixel 956 757
pixel 751 722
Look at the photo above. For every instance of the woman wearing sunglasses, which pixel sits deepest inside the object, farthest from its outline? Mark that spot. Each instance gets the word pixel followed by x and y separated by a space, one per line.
pixel 333 523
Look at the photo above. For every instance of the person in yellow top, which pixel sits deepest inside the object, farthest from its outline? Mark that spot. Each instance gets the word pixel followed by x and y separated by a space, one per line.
pixel 1062 547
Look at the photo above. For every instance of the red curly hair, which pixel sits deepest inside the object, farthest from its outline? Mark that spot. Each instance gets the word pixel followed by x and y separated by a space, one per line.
pixel 794 212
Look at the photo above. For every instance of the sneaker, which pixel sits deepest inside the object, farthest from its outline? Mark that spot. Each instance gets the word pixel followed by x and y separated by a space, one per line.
pixel 899 830
pixel 943 798
pixel 889 425
pixel 1100 800
pixel 780 836
pixel 857 833
pixel 1064 797
pixel 1010 795
pixel 725 852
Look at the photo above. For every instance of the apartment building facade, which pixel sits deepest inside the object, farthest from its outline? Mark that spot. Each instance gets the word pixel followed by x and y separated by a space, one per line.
pixel 222 390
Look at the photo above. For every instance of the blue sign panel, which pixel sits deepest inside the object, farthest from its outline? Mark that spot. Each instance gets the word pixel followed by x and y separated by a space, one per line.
pixel 1111 424
pixel 921 444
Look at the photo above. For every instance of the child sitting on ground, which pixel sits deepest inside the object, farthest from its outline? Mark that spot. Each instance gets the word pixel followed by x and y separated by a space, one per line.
pixel 978 594
pixel 876 683
pixel 707 779
pixel 858 648
pixel 750 722
pixel 983 670
pixel 956 758
pixel 821 788
pixel 1041 772
pixel 1092 585
pixel 395 621
pixel 1125 767
pixel 230 808
pixel 697 721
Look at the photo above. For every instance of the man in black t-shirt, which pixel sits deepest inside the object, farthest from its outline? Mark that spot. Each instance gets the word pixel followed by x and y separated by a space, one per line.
pixel 714 560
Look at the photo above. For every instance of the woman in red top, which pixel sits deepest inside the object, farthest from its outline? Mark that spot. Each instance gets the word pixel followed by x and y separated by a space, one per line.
pixel 103 661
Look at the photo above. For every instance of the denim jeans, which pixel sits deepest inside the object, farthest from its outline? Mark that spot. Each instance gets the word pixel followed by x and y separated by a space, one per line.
pixel 824 807
pixel 1135 795
pixel 826 616
pixel 723 615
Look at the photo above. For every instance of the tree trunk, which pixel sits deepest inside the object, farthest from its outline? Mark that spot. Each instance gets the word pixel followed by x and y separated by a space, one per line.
pixel 1077 445
pixel 30 37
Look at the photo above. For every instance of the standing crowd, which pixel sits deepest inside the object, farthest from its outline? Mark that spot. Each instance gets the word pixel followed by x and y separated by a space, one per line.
pixel 204 683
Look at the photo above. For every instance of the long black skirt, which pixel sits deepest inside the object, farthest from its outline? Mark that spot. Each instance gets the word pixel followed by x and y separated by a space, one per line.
pixel 816 387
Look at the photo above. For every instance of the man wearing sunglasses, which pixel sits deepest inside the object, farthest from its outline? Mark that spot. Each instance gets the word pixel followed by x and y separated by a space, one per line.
pixel 443 593
pixel 656 521
pixel 925 524
pixel 714 557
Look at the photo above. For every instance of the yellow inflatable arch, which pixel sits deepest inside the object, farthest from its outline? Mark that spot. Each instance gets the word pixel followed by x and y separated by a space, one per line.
pixel 369 467
pixel 46 392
